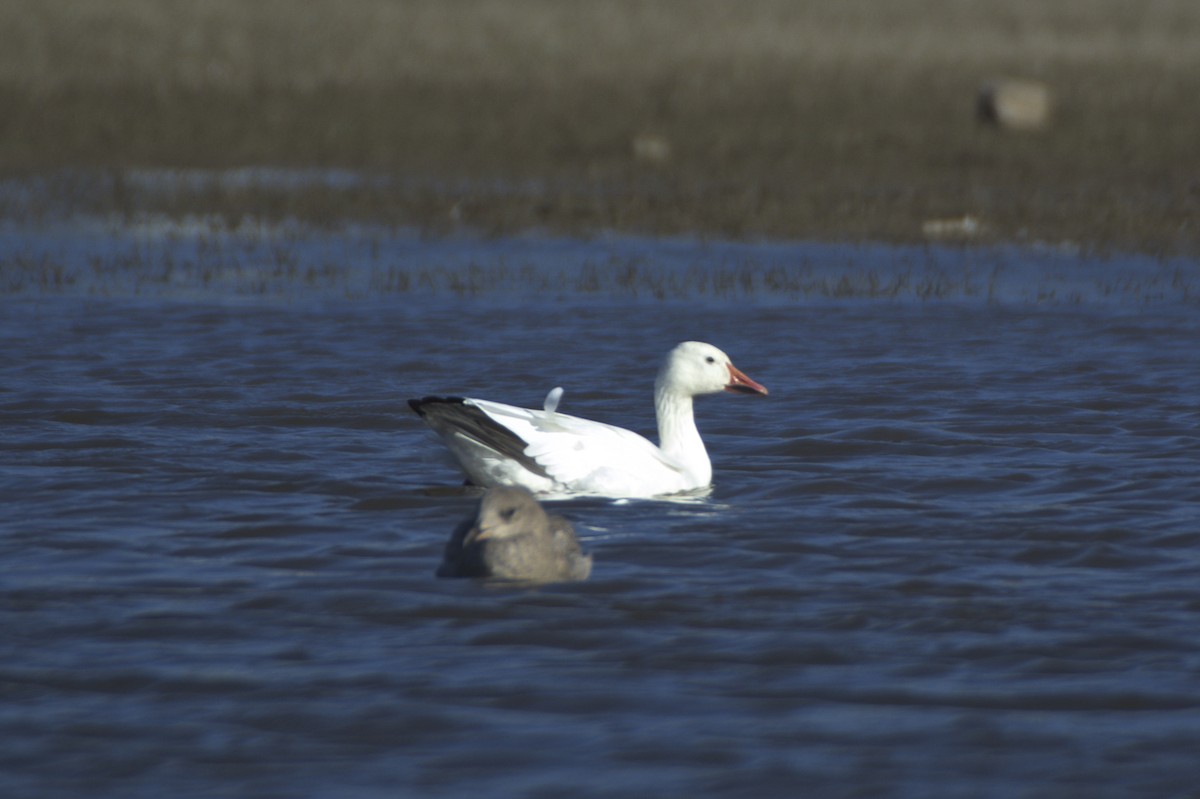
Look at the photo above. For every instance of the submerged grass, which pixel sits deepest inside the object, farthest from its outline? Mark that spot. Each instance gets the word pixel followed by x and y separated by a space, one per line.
pixel 204 259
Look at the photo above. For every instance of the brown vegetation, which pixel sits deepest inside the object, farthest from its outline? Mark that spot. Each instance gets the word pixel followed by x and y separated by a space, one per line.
pixel 851 120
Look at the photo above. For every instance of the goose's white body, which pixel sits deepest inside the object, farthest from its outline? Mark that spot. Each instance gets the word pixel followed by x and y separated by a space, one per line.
pixel 578 456
pixel 550 452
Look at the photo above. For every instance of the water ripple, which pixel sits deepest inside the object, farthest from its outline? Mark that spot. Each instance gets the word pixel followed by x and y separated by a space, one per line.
pixel 954 547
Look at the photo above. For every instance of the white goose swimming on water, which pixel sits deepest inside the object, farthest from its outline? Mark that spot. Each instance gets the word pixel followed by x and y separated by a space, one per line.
pixel 550 452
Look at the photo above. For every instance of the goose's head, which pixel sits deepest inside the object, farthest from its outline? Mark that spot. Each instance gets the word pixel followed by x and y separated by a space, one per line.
pixel 694 368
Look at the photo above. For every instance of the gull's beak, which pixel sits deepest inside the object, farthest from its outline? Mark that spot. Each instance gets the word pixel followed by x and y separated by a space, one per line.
pixel 478 534
pixel 741 384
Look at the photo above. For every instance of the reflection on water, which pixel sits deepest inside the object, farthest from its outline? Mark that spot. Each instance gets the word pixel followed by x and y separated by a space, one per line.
pixel 953 552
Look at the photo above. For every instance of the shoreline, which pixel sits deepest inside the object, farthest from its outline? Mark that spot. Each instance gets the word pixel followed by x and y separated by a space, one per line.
pixel 848 124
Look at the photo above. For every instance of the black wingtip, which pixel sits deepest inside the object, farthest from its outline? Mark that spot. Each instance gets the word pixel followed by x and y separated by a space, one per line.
pixel 418 405
pixel 453 416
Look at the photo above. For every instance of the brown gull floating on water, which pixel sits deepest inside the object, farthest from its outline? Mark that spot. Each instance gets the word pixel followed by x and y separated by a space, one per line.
pixel 547 451
pixel 512 538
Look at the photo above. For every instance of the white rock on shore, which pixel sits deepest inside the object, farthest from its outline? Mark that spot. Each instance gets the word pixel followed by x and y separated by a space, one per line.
pixel 1015 104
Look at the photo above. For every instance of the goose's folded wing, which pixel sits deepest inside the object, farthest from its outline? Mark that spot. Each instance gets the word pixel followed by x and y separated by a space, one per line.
pixel 571 450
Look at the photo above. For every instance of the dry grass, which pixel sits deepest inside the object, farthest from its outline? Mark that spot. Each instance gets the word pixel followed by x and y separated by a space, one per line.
pixel 835 120
pixel 235 45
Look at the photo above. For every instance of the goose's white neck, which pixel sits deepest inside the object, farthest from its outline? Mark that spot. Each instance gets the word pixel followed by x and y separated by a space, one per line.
pixel 678 437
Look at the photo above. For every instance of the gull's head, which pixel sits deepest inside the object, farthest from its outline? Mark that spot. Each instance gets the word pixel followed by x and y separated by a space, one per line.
pixel 506 512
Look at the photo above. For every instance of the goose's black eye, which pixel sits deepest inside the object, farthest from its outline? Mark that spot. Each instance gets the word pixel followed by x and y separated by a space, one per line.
pixel 507 514
pixel 710 359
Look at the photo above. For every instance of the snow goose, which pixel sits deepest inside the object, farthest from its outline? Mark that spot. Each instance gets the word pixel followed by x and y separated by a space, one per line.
pixel 511 537
pixel 551 452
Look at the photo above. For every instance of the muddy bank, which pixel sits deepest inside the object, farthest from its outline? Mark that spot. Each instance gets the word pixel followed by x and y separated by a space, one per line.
pixel 849 123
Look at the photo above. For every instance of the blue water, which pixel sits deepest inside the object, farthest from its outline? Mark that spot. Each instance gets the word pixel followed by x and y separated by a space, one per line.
pixel 954 553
